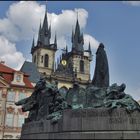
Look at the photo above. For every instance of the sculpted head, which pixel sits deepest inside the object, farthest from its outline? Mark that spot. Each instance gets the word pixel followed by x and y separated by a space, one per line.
pixel 101 45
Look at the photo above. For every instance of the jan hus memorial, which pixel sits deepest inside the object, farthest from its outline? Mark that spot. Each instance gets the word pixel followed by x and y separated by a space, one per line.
pixel 97 110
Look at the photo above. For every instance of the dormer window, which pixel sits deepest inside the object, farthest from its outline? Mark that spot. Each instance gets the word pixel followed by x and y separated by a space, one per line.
pixel 18 78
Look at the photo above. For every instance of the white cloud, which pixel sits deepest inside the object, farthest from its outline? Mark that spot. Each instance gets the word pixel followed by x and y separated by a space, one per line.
pixel 65 22
pixel 93 42
pixel 133 3
pixel 9 54
pixel 135 93
pixel 23 19
pixel 22 22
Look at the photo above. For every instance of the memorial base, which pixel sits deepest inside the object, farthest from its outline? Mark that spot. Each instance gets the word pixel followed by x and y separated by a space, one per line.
pixel 86 124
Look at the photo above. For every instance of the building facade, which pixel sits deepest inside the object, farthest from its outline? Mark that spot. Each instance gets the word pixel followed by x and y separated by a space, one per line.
pixel 71 66
pixel 14 86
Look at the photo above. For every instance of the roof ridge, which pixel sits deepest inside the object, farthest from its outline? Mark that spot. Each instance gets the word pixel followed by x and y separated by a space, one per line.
pixel 11 69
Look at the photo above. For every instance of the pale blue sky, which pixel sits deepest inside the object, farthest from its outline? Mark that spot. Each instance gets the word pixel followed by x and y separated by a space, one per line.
pixel 116 24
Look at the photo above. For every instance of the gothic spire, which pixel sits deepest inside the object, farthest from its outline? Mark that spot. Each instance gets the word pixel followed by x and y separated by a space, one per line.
pixel 89 47
pixel 55 39
pixel 45 23
pixel 72 37
pixel 77 40
pixel 50 30
pixel 33 43
pixel 77 30
pixel 39 33
pixel 82 38
pixel 46 31
pixel 66 49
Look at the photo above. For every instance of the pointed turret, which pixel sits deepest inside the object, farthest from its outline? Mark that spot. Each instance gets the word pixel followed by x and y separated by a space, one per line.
pixel 72 36
pixel 82 38
pixel 46 32
pixel 89 48
pixel 33 46
pixel 66 49
pixel 55 39
pixel 77 31
pixel 39 34
pixel 90 52
pixel 45 23
pixel 33 43
pixel 77 40
pixel 50 31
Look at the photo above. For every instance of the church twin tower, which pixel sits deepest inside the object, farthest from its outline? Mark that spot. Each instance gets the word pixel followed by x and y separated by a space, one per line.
pixel 72 66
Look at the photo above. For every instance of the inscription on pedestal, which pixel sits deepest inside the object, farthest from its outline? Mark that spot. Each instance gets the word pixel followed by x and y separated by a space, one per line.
pixel 112 118
pixel 93 113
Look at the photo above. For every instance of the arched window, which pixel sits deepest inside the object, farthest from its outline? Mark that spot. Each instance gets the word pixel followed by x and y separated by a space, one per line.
pixel 81 66
pixel 63 91
pixel 42 59
pixel 46 61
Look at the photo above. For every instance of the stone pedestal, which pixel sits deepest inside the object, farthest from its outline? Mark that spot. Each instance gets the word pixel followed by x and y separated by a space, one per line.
pixel 87 124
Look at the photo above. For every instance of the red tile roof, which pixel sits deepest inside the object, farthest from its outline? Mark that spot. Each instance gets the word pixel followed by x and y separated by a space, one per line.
pixel 6 69
pixel 8 75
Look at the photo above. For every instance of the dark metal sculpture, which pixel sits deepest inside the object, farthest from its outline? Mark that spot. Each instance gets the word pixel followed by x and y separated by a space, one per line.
pixel 101 74
pixel 46 101
pixel 110 97
pixel 76 96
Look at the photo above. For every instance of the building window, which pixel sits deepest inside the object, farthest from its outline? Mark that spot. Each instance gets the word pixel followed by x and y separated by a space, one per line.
pixel 11 96
pixel 9 119
pixel 81 66
pixel 46 60
pixel 20 120
pixel 35 59
pixel 18 78
pixel 21 96
pixel 41 59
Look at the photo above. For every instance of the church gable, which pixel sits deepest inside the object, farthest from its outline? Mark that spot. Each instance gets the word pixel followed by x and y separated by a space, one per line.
pixel 72 64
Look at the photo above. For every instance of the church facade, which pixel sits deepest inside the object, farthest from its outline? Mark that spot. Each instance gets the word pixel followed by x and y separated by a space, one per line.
pixel 72 66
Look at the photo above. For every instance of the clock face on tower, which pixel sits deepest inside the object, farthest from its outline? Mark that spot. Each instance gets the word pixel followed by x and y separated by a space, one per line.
pixel 64 62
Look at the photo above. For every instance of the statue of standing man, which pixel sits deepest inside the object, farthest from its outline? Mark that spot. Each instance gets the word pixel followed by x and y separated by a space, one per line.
pixel 101 73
